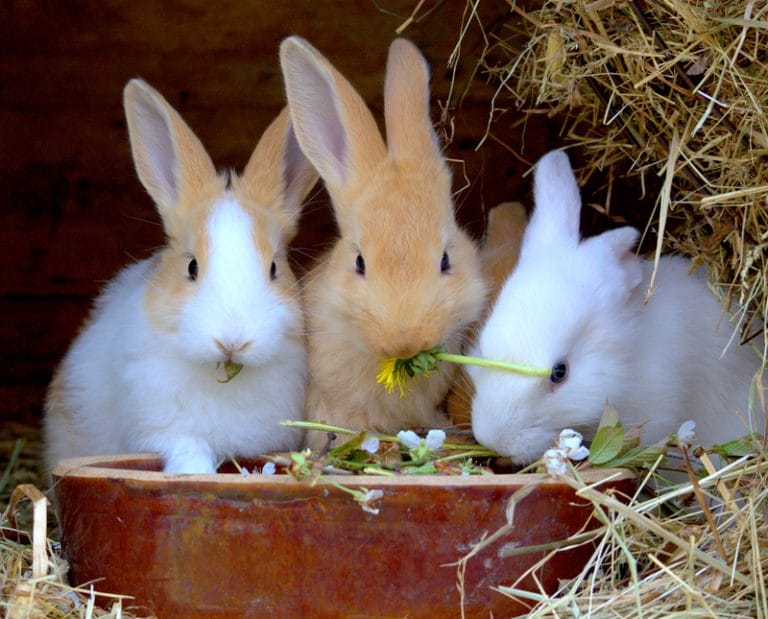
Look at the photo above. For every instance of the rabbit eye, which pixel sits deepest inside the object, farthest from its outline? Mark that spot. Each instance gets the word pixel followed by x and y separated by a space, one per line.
pixel 192 269
pixel 445 263
pixel 360 265
pixel 559 372
pixel 273 271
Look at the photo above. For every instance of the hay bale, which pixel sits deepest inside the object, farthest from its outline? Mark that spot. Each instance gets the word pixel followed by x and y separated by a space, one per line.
pixel 652 562
pixel 33 574
pixel 666 99
pixel 673 91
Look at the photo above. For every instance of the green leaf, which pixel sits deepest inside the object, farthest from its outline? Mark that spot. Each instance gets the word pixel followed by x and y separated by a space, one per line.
pixel 347 447
pixel 231 369
pixel 606 445
pixel 631 439
pixel 610 418
pixel 347 464
pixel 427 468
pixel 638 457
pixel 744 446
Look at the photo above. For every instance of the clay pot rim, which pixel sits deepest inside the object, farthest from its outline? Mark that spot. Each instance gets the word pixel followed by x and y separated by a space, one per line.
pixel 109 467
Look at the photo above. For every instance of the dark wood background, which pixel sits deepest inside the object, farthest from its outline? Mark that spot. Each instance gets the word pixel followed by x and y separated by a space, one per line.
pixel 73 211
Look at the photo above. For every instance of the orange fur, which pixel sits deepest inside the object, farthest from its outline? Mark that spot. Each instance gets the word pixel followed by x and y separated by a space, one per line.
pixel 393 206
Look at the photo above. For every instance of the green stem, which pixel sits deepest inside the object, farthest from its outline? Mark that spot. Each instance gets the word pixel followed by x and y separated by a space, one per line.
pixel 324 427
pixel 473 449
pixel 370 470
pixel 354 493
pixel 467 454
pixel 313 425
pixel 526 370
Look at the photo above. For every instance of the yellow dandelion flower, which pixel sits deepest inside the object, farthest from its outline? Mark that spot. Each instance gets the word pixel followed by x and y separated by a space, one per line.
pixel 392 374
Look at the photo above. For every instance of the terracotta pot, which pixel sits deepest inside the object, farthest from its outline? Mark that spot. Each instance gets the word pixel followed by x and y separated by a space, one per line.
pixel 227 545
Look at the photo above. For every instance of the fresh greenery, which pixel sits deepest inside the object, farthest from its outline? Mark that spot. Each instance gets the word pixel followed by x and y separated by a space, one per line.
pixel 382 454
pixel 613 447
pixel 395 373
pixel 231 369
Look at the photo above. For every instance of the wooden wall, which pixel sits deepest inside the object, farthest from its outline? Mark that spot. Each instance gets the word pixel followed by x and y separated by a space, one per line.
pixel 71 209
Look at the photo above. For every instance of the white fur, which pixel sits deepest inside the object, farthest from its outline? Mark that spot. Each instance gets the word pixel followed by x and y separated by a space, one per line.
pixel 144 373
pixel 134 388
pixel 659 363
pixel 234 303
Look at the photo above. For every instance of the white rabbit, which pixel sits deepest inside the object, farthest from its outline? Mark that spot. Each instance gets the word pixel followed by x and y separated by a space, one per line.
pixel 403 277
pixel 144 373
pixel 577 307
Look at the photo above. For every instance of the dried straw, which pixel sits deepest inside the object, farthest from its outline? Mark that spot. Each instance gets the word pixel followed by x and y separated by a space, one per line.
pixel 650 562
pixel 650 90
pixel 33 576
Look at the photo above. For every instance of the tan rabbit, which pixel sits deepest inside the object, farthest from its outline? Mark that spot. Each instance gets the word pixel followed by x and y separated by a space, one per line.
pixel 402 277
pixel 144 374
pixel 501 245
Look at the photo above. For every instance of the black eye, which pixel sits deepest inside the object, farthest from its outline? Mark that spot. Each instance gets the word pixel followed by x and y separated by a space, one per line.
pixel 360 265
pixel 273 271
pixel 192 269
pixel 559 372
pixel 445 263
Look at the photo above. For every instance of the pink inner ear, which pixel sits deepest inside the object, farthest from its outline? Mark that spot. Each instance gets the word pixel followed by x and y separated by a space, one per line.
pixel 294 160
pixel 333 138
pixel 298 174
pixel 154 136
pixel 317 117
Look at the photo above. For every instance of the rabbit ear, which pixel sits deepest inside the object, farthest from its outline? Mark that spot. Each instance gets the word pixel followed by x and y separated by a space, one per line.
pixel 334 127
pixel 555 218
pixel 406 103
pixel 170 161
pixel 612 253
pixel 278 173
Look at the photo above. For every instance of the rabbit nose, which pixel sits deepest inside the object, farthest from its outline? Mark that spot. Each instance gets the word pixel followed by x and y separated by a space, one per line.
pixel 231 347
pixel 404 347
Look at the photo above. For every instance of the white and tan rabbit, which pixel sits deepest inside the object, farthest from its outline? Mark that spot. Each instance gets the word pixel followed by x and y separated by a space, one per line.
pixel 402 277
pixel 144 373
pixel 577 306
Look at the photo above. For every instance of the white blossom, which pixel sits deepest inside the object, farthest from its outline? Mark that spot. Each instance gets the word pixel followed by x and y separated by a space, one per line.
pixel 409 438
pixel 569 443
pixel 555 461
pixel 582 453
pixel 569 439
pixel 370 444
pixel 435 439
